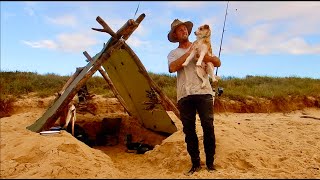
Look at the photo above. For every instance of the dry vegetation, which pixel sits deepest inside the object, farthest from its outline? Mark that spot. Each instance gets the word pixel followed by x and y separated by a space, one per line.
pixel 250 94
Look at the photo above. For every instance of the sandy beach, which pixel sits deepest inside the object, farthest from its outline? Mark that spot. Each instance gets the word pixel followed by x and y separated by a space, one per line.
pixel 248 145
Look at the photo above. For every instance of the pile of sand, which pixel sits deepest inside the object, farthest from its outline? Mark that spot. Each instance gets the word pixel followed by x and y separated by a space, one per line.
pixel 25 154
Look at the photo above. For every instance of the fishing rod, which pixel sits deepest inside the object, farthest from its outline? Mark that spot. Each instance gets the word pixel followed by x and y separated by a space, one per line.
pixel 223 30
pixel 220 89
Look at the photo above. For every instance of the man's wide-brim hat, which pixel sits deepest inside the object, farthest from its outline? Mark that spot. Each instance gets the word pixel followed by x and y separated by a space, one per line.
pixel 174 25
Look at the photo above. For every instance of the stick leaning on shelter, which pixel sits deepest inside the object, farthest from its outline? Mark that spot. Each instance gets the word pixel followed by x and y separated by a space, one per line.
pixel 106 77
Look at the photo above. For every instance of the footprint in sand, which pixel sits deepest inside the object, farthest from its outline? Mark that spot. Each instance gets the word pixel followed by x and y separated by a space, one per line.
pixel 239 161
pixel 33 157
pixel 283 159
pixel 243 164
pixel 69 148
pixel 311 143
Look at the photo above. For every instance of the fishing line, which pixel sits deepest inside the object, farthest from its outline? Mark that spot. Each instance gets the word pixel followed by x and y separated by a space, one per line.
pixel 136 11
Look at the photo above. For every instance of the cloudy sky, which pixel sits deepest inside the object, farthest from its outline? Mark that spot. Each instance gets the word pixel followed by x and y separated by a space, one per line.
pixel 268 38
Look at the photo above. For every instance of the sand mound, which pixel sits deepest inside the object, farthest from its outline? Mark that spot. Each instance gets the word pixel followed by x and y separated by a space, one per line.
pixel 25 154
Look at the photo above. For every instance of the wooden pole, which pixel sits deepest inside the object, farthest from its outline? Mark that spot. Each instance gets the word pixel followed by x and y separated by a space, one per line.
pixel 106 77
pixel 106 28
pixel 134 25
pixel 124 32
pixel 78 70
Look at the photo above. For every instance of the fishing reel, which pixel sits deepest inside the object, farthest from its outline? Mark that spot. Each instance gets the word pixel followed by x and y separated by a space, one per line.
pixel 220 91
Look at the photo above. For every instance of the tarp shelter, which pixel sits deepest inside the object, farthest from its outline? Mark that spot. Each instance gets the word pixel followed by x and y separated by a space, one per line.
pixel 128 79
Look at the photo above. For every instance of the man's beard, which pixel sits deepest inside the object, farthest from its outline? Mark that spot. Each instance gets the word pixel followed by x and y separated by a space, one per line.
pixel 184 38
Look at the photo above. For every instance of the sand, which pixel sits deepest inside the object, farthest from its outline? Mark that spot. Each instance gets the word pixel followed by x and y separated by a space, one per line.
pixel 248 145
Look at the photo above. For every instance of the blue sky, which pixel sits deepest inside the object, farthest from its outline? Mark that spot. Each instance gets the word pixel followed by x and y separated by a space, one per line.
pixel 267 38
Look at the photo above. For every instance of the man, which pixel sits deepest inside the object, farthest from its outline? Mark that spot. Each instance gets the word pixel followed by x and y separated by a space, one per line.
pixel 195 99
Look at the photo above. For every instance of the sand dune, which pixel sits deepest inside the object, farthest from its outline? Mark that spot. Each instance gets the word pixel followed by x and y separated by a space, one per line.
pixel 255 145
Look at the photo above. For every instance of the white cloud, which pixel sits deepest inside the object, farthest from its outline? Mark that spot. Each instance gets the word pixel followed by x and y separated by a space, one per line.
pixel 48 44
pixel 295 17
pixel 188 4
pixel 75 42
pixel 141 31
pixel 136 42
pixel 273 27
pixel 260 39
pixel 65 20
pixel 211 21
pixel 29 8
pixel 271 11
pixel 114 23
pixel 298 46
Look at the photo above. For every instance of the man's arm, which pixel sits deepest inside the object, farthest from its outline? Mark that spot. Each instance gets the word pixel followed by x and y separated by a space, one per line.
pixel 177 64
pixel 214 59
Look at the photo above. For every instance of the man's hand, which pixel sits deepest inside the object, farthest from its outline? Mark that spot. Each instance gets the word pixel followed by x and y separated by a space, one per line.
pixel 191 49
pixel 207 58
pixel 214 59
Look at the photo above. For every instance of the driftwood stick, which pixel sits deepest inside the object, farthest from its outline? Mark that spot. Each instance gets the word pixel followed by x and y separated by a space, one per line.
pixel 131 25
pixel 106 77
pixel 128 26
pixel 166 102
pixel 125 31
pixel 140 18
pixel 78 70
pixel 134 26
pixel 106 28
pixel 101 30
